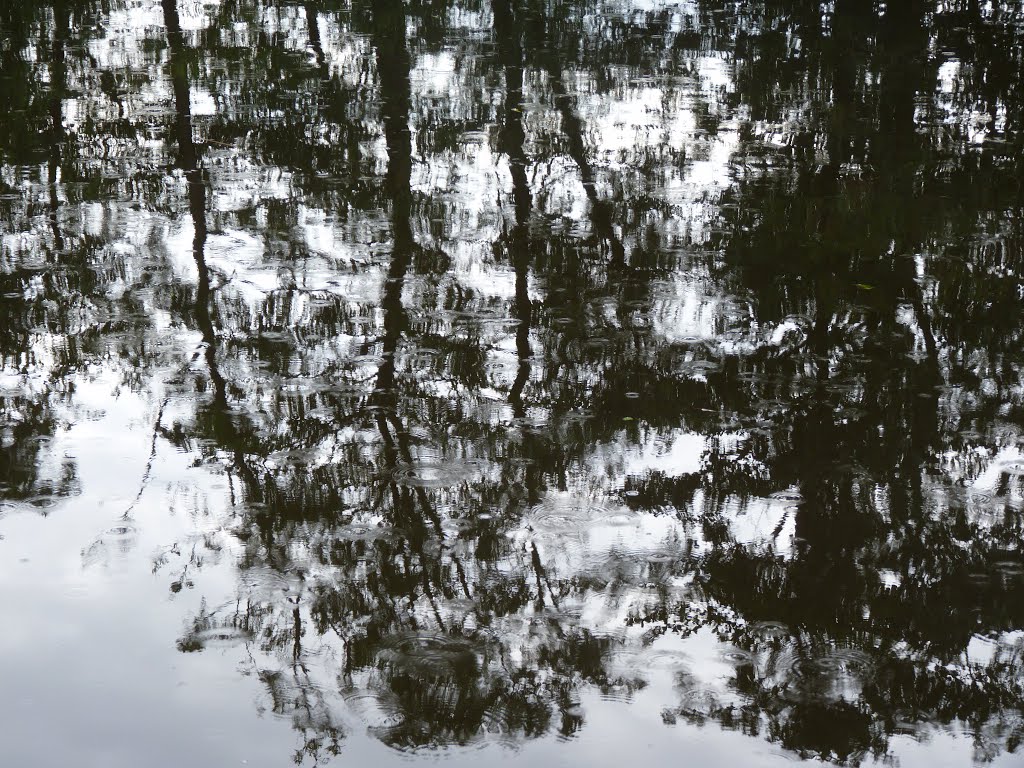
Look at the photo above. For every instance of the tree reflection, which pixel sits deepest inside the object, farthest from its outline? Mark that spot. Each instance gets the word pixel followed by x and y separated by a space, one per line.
pixel 548 345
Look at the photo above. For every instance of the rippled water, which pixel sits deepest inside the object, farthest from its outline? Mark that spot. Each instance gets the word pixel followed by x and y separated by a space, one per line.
pixel 540 383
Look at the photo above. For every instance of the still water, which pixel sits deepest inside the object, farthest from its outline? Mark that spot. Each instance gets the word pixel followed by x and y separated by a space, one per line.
pixel 529 382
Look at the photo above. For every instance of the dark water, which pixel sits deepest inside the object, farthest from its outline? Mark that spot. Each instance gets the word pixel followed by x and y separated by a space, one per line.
pixel 541 383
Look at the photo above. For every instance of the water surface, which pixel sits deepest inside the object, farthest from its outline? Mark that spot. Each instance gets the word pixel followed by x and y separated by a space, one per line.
pixel 538 383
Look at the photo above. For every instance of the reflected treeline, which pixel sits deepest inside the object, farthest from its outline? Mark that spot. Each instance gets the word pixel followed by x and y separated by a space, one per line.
pixel 550 349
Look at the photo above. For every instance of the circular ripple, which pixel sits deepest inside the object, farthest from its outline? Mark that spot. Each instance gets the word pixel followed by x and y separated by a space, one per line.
pixel 113 543
pixel 1009 566
pixel 221 636
pixel 834 663
pixel 501 367
pixel 369 708
pixel 420 475
pixel 496 727
pixel 435 473
pixel 701 367
pixel 553 516
pixel 430 654
pixel 706 701
pixel 906 722
pixel 737 657
pixel 792 497
pixel 455 526
pixel 557 522
pixel 123 531
pixel 614 516
pixel 662 557
pixel 362 532
pixel 769 630
pixel 530 424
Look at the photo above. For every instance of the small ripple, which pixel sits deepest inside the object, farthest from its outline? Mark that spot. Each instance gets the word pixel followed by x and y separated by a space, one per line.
pixel 264 584
pixel 556 522
pixel 116 541
pixel 363 532
pixel 482 318
pixel 501 367
pixel 435 473
pixel 120 532
pixel 557 515
pixel 1014 468
pixel 707 701
pixel 213 636
pixel 665 661
pixel 649 663
pixel 459 606
pixel 619 691
pixel 518 461
pixel 799 319
pixel 664 557
pixel 824 673
pixel 700 367
pixel 369 708
pixel 427 653
pixel 615 516
pixel 421 475
pixel 375 360
pixel 906 722
pixel 531 424
pixel 791 496
pixel 222 636
pixel 456 526
pixel 577 416
pixel 838 662
pixel 737 657
pixel 769 630
pixel 496 728
pixel 620 520
pixel 832 673
pixel 1010 564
